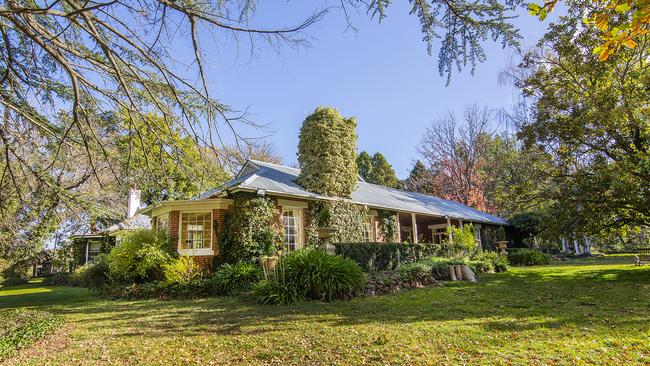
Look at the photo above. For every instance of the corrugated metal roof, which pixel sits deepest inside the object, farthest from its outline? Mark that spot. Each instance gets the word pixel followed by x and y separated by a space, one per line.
pixel 282 180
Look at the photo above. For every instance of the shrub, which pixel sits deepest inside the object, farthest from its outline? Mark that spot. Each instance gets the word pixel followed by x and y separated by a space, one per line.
pixel 140 257
pixel 91 275
pixel 322 276
pixel 233 278
pixel 499 263
pixel 57 279
pixel 278 292
pixel 481 266
pixel 181 270
pixel 440 266
pixel 528 257
pixel 162 290
pixel 310 274
pixel 415 271
pixel 463 240
pixel 13 281
pixel 20 328
pixel 385 256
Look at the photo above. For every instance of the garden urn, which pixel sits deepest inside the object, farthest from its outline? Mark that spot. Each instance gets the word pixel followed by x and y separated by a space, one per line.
pixel 503 245
pixel 325 234
pixel 268 264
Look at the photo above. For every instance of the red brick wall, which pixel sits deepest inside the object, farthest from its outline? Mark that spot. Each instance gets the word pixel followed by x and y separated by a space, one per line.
pixel 204 262
pixel 218 222
pixel 174 226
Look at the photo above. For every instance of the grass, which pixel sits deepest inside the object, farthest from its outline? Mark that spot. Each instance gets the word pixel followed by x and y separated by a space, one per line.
pixel 591 311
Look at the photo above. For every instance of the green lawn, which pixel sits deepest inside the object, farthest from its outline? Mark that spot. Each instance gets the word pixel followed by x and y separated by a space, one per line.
pixel 587 312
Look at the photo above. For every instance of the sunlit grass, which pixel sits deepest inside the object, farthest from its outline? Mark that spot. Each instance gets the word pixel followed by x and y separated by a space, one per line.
pixel 594 312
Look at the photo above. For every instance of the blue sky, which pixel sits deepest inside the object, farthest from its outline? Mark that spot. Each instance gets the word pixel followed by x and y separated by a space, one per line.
pixel 382 75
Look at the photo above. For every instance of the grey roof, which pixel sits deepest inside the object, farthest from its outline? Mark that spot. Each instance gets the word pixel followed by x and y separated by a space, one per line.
pixel 281 179
pixel 138 221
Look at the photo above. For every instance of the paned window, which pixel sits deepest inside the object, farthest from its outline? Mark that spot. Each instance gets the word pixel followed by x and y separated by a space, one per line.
pixel 196 230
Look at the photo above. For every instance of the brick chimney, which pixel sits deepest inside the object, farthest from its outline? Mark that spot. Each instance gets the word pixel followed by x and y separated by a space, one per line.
pixel 134 202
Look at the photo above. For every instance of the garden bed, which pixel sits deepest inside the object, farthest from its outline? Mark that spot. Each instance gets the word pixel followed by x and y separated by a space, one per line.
pixel 391 282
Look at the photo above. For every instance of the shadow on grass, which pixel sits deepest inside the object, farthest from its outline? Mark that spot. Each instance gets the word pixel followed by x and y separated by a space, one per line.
pixel 612 298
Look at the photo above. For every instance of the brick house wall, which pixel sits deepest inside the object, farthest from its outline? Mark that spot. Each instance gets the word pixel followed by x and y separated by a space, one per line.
pixel 174 227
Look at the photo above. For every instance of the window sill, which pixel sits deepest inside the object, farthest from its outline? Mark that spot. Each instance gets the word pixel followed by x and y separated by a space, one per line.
pixel 196 252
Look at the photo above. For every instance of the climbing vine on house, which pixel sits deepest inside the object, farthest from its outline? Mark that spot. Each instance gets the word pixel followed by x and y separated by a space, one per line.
pixel 347 218
pixel 107 243
pixel 327 153
pixel 388 226
pixel 252 229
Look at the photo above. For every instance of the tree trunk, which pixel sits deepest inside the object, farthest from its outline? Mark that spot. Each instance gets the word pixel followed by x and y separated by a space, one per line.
pixel 587 245
pixel 452 273
pixel 468 274
pixel 459 272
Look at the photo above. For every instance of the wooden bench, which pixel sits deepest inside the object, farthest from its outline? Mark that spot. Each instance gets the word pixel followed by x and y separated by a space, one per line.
pixel 643 257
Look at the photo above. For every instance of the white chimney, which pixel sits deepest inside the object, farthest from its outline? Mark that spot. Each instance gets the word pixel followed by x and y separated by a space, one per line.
pixel 134 202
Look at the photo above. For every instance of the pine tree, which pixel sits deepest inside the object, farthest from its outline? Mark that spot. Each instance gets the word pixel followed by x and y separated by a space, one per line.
pixel 382 172
pixel 364 164
pixel 419 180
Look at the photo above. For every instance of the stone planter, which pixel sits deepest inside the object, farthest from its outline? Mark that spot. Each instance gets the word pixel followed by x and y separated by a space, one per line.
pixel 325 234
pixel 503 245
pixel 268 265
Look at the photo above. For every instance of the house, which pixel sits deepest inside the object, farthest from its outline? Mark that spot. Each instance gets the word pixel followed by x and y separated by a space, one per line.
pixel 88 246
pixel 193 224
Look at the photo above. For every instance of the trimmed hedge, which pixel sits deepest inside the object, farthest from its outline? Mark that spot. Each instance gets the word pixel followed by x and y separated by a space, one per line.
pixel 20 328
pixel 196 288
pixel 528 257
pixel 385 256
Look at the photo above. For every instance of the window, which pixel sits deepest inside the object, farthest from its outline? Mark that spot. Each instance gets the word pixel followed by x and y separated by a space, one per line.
pixel 438 233
pixel 291 223
pixel 94 248
pixel 196 230
pixel 368 233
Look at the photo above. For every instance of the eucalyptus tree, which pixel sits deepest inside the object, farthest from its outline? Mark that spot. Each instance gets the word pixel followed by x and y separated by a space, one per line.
pixel 592 118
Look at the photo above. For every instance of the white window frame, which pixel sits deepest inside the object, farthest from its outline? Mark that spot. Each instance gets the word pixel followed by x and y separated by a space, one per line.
pixel 442 234
pixel 297 215
pixel 91 257
pixel 369 228
pixel 200 251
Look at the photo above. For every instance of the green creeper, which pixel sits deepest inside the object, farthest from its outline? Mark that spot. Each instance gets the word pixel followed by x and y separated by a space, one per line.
pixel 327 153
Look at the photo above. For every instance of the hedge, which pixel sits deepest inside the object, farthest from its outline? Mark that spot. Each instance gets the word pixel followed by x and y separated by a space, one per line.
pixel 385 256
pixel 528 257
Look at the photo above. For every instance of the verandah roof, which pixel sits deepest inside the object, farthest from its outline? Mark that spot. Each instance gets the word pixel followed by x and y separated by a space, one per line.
pixel 279 179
